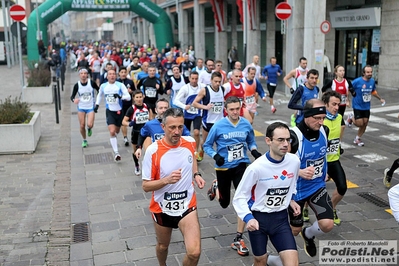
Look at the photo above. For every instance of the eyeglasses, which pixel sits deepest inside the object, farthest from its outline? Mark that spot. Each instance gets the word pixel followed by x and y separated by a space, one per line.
pixel 318 118
pixel 281 140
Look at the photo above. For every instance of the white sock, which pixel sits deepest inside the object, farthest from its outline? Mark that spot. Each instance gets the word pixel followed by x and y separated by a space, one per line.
pixel 114 144
pixel 357 137
pixel 313 230
pixel 274 260
pixel 271 106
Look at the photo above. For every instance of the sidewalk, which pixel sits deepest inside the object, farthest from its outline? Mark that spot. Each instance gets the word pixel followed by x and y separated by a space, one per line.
pixel 61 187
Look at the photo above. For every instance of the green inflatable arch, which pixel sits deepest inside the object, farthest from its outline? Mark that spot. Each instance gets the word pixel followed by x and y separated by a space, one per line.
pixel 52 9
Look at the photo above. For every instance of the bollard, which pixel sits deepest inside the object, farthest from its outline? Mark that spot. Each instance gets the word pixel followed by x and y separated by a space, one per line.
pixel 57 119
pixel 59 93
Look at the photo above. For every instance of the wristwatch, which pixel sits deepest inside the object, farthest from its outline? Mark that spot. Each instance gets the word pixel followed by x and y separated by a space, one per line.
pixel 197 173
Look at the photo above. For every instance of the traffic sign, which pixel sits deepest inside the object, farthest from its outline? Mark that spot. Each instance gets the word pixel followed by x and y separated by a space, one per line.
pixel 283 11
pixel 325 26
pixel 22 26
pixel 17 12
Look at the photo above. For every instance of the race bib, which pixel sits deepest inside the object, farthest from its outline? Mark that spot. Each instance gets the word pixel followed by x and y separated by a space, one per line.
pixel 235 152
pixel 273 84
pixel 192 110
pixel 250 99
pixel 276 197
pixel 343 98
pixel 217 107
pixel 333 146
pixel 85 97
pixel 142 117
pixel 174 203
pixel 150 92
pixel 318 165
pixel 110 98
pixel 158 136
pixel 366 97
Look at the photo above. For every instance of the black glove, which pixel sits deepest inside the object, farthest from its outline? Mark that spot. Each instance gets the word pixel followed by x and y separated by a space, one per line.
pixel 218 159
pixel 72 99
pixel 96 108
pixel 352 91
pixel 116 95
pixel 256 154
pixel 292 90
pixel 131 123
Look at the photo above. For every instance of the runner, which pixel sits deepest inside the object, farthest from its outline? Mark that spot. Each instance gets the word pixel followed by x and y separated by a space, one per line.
pixel 85 101
pixel 237 88
pixel 252 88
pixel 310 145
pixel 192 115
pixel 388 173
pixel 168 172
pixel 136 116
pixel 174 84
pixel 233 135
pixel 264 194
pixel 332 100
pixel 114 92
pixel 270 73
pixel 299 76
pixel 364 87
pixel 210 99
pixel 343 87
pixel 206 76
pixel 151 86
pixel 303 93
pixel 126 104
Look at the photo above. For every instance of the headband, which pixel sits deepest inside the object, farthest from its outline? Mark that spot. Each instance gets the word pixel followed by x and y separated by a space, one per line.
pixel 83 69
pixel 314 111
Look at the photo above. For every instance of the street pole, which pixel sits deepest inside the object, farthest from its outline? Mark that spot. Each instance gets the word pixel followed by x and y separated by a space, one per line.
pixel 12 40
pixel 7 44
pixel 244 28
pixel 21 68
pixel 38 37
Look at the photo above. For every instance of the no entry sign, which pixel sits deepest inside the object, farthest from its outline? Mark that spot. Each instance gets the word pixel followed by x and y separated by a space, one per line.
pixel 283 11
pixel 17 12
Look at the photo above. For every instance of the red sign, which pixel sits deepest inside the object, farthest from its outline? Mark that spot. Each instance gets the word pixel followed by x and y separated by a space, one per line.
pixel 325 26
pixel 283 11
pixel 17 12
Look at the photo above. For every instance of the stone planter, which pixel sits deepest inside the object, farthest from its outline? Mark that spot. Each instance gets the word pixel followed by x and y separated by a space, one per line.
pixel 38 94
pixel 20 138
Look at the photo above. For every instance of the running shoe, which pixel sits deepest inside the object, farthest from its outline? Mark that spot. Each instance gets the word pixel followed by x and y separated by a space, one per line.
pixel 337 221
pixel 212 190
pixel 137 170
pixel 358 142
pixel 200 156
pixel 349 120
pixel 89 132
pixel 305 215
pixel 84 144
pixel 117 157
pixel 240 246
pixel 126 141
pixel 293 124
pixel 387 179
pixel 273 109
pixel 310 246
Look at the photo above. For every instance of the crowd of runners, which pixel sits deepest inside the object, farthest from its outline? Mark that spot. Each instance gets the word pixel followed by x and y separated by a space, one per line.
pixel 180 107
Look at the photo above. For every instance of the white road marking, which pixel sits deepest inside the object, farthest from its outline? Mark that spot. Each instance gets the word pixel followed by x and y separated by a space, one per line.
pixel 391 137
pixel 371 157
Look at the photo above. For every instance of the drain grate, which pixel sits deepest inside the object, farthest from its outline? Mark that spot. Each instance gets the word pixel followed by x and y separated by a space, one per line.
pixel 74 113
pixel 80 232
pixel 99 158
pixel 374 199
pixel 363 165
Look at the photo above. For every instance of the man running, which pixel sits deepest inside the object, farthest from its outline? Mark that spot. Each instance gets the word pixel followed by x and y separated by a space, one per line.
pixel 192 115
pixel 169 168
pixel 114 92
pixel 210 99
pixel 174 84
pixel 364 87
pixel 85 101
pixel 252 88
pixel 264 194
pixel 270 73
pixel 310 145
pixel 233 136
pixel 205 76
pixel 151 86
pixel 332 100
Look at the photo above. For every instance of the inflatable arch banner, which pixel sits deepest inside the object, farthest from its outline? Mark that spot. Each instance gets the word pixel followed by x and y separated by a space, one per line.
pixel 50 10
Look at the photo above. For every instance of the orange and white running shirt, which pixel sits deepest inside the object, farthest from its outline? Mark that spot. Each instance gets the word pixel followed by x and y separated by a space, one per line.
pixel 159 161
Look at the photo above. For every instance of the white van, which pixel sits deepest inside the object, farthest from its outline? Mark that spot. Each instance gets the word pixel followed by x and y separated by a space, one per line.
pixel 2 52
